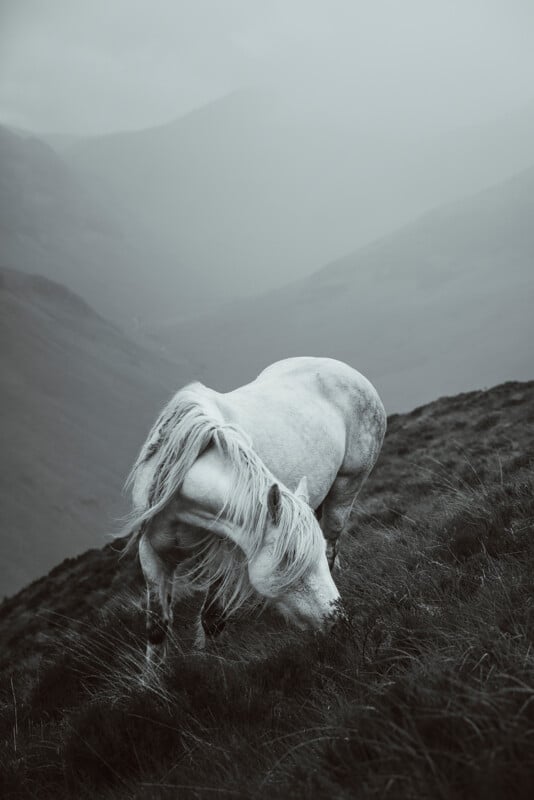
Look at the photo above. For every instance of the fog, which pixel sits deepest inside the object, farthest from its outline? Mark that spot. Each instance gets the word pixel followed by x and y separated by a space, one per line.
pixel 244 144
pixel 88 68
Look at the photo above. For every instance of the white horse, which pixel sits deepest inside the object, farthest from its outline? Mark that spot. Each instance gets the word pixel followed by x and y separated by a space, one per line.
pixel 225 488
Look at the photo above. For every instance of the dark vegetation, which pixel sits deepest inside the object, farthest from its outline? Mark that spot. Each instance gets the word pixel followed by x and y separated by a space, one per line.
pixel 428 691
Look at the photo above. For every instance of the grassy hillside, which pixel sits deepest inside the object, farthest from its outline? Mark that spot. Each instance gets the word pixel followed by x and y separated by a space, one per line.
pixel 439 306
pixel 427 692
pixel 76 395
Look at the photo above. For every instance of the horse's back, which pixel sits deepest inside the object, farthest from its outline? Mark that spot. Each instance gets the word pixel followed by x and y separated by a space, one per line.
pixel 344 390
pixel 309 416
pixel 297 382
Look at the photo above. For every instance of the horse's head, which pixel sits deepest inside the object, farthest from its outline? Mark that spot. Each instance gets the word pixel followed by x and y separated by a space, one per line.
pixel 290 568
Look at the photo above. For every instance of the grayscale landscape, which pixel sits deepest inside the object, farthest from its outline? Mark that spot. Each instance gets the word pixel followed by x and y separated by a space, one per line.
pixel 192 191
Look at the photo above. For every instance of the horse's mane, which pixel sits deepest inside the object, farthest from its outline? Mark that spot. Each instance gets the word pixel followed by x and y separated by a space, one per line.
pixel 183 431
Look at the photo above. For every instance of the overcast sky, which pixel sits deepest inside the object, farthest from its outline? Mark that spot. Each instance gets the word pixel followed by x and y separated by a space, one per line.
pixel 73 66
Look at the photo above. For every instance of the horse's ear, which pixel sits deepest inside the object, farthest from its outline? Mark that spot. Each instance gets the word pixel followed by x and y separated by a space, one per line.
pixel 274 503
pixel 302 490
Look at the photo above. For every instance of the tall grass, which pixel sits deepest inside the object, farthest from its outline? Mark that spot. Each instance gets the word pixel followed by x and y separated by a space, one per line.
pixel 427 690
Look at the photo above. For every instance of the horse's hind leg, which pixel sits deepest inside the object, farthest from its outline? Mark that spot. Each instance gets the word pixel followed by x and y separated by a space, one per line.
pixel 158 573
pixel 336 510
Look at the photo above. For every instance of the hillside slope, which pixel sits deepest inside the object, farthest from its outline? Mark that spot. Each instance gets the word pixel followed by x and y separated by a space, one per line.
pixel 77 399
pixel 426 692
pixel 439 306
pixel 257 188
pixel 55 224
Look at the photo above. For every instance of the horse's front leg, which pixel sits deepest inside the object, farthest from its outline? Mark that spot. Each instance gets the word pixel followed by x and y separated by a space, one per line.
pixel 212 617
pixel 158 574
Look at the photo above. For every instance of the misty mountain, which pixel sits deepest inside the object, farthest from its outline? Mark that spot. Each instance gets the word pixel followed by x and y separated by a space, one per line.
pixel 259 188
pixel 442 305
pixel 77 401
pixel 53 223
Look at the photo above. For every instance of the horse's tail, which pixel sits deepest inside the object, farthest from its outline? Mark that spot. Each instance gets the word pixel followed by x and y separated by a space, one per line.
pixel 180 435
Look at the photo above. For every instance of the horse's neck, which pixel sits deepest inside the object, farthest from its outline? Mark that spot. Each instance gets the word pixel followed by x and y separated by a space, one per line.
pixel 203 497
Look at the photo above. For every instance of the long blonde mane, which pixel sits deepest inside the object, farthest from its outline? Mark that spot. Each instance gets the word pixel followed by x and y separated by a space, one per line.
pixel 183 431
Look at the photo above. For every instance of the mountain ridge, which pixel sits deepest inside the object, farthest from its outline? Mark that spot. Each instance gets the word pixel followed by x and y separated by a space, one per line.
pixel 77 398
pixel 462 271
pixel 55 223
pixel 254 188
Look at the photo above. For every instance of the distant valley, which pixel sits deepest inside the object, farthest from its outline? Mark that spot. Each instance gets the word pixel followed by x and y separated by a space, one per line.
pixel 439 306
pixel 254 190
pixel 55 224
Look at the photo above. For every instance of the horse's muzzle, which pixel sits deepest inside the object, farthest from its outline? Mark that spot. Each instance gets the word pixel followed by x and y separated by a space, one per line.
pixel 337 618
